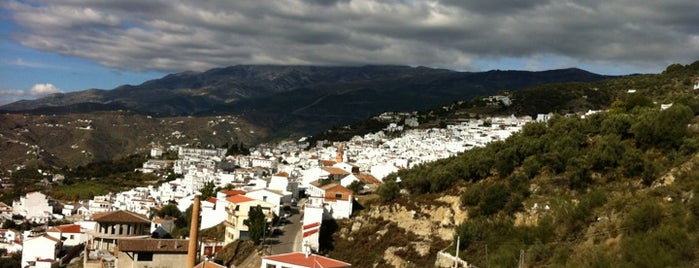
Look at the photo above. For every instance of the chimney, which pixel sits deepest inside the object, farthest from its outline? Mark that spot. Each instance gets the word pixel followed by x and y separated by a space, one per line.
pixel 193 234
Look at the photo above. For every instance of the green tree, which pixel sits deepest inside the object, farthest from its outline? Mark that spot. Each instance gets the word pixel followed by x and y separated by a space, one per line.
pixel 256 224
pixel 356 187
pixel 208 190
pixel 389 191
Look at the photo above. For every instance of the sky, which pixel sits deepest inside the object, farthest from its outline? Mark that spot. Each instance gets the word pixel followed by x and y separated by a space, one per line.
pixel 53 46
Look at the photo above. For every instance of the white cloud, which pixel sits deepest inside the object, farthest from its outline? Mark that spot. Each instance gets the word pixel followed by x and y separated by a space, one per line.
pixel 11 95
pixel 11 92
pixel 182 35
pixel 40 90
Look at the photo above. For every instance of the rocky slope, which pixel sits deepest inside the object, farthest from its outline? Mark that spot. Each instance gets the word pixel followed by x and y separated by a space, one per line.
pixel 407 233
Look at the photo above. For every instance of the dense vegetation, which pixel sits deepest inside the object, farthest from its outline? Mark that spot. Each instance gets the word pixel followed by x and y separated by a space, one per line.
pixel 576 192
pixel 100 178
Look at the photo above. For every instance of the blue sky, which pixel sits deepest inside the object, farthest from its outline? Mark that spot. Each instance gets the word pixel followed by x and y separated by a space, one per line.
pixel 49 46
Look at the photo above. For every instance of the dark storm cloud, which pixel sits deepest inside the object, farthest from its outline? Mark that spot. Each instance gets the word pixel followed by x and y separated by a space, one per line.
pixel 176 35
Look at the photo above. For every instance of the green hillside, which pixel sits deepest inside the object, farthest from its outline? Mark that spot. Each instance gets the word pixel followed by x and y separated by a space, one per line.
pixel 616 189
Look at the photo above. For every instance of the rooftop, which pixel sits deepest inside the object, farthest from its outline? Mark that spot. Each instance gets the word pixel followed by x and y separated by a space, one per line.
pixel 300 259
pixel 120 216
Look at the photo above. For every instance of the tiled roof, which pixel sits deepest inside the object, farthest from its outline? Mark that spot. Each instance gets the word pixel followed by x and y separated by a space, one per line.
pixel 239 199
pixel 300 259
pixel 232 192
pixel 327 163
pixel 211 199
pixel 368 179
pixel 282 174
pixel 154 245
pixel 120 216
pixel 66 228
pixel 336 171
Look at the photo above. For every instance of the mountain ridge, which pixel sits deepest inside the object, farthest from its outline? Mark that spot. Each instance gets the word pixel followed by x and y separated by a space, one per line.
pixel 220 87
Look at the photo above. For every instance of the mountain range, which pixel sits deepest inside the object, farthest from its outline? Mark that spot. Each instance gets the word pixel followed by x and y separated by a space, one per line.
pixel 292 99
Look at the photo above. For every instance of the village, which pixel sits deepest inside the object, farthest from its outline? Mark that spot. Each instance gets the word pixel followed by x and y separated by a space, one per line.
pixel 120 230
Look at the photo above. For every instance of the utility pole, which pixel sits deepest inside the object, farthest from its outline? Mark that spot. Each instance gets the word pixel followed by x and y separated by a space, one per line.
pixel 521 258
pixel 458 242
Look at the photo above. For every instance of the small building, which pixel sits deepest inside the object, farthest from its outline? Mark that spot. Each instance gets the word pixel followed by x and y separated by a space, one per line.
pixel 152 253
pixel 238 209
pixel 42 249
pixel 69 234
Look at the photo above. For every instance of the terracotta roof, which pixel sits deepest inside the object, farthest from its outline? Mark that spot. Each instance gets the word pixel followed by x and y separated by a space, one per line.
pixel 327 163
pixel 66 228
pixel 282 174
pixel 154 245
pixel 324 187
pixel 368 179
pixel 211 199
pixel 161 220
pixel 209 264
pixel 336 171
pixel 120 216
pixel 239 199
pixel 232 192
pixel 300 259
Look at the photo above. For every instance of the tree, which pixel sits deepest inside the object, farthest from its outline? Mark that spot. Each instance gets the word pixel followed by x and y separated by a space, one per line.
pixel 356 187
pixel 208 190
pixel 256 224
pixel 389 191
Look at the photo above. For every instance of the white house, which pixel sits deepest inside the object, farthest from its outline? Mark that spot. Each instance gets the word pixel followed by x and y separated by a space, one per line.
pixel 42 248
pixel 34 207
pixel 273 197
pixel 335 199
pixel 70 234
pixel 213 212
pixel 696 84
pixel 279 181
pixel 9 236
pixel 382 170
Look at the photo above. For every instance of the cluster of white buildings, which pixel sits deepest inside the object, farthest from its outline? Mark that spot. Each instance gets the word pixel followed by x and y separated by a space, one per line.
pixel 271 177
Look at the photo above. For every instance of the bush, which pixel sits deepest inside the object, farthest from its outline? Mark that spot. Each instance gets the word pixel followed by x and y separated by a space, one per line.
pixel 388 191
pixel 644 217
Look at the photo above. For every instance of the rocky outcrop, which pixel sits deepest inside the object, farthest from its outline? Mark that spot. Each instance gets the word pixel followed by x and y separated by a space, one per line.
pixel 429 226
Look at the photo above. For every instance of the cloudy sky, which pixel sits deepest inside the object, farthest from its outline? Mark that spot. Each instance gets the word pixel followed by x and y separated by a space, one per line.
pixel 49 46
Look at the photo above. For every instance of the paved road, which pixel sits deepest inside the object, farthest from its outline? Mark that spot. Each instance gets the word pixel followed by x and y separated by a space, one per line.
pixel 289 236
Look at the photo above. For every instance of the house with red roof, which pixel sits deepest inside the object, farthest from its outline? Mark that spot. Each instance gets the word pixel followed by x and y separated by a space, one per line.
pixel 335 199
pixel 238 208
pixel 301 260
pixel 69 234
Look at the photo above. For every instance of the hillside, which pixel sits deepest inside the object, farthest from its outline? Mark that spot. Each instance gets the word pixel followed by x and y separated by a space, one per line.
pixel 265 102
pixel 78 139
pixel 616 189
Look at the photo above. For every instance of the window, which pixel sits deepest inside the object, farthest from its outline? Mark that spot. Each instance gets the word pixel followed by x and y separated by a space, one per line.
pixel 264 198
pixel 72 236
pixel 338 196
pixel 271 266
pixel 145 256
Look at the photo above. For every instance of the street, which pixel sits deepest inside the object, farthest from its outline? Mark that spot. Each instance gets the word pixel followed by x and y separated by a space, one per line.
pixel 286 238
